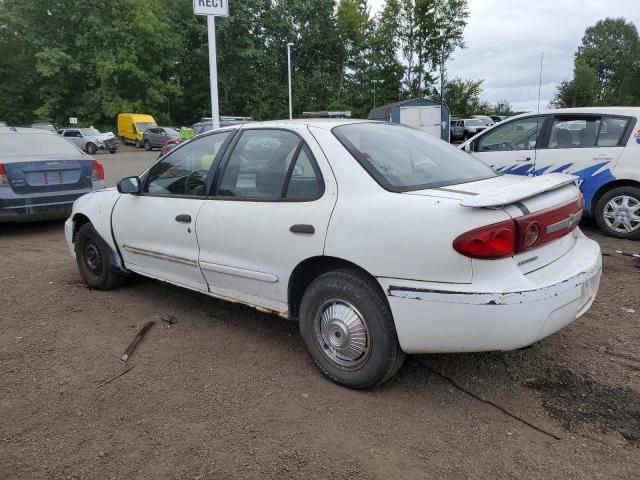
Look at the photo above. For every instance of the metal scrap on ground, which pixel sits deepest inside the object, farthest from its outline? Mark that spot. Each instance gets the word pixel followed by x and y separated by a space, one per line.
pixel 134 343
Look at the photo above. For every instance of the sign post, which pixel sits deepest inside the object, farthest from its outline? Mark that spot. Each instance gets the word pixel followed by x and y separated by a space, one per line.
pixel 212 9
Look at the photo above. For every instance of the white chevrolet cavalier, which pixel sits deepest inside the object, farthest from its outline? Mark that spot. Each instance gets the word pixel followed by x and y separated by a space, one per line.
pixel 379 239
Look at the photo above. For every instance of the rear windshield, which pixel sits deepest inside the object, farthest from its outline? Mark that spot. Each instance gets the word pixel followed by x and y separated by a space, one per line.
pixel 31 144
pixel 403 159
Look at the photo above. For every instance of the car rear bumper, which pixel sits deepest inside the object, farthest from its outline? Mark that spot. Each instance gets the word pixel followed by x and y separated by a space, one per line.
pixel 436 317
pixel 28 208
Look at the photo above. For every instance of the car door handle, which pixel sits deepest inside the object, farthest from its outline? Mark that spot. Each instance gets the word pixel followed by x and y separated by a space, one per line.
pixel 523 159
pixel 183 218
pixel 301 228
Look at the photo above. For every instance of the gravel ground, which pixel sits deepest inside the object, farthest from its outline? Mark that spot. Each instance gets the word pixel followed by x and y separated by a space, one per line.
pixel 227 392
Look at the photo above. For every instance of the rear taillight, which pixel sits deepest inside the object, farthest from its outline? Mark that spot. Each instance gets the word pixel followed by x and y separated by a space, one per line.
pixel 550 224
pixel 97 171
pixel 4 181
pixel 511 237
pixel 490 242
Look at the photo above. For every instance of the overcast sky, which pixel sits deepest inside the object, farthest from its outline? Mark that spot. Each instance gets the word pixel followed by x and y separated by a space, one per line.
pixel 504 40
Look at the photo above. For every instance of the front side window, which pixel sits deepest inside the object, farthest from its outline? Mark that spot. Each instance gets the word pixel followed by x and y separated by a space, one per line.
pixel 519 134
pixel 404 159
pixel 259 165
pixel 184 171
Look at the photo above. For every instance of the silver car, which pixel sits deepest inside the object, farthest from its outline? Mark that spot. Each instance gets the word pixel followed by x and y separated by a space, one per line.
pixel 90 139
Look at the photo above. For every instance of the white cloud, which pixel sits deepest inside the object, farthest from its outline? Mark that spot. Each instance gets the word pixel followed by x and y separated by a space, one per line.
pixel 505 39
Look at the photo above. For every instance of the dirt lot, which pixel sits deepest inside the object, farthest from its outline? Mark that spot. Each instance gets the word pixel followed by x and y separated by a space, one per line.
pixel 227 392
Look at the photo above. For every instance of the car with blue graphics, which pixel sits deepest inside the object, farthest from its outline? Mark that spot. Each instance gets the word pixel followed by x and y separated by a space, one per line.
pixel 600 145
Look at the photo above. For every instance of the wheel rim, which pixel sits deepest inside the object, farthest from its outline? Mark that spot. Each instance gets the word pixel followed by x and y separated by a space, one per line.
pixel 93 257
pixel 342 334
pixel 622 214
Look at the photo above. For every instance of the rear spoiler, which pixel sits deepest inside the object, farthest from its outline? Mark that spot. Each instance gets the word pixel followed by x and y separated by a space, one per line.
pixel 528 188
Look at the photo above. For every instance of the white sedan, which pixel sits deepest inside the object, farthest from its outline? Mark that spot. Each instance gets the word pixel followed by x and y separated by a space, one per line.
pixel 379 239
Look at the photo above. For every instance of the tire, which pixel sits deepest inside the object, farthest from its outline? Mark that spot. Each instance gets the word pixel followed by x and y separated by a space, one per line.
pixel 617 208
pixel 346 294
pixel 147 145
pixel 138 144
pixel 95 260
pixel 112 151
pixel 91 148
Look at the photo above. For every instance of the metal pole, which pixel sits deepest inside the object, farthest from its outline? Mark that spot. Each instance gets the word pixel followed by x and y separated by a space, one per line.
pixel 213 71
pixel 289 45
pixel 374 93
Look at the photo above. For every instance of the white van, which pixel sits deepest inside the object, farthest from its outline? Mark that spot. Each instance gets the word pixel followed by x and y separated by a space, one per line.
pixel 601 145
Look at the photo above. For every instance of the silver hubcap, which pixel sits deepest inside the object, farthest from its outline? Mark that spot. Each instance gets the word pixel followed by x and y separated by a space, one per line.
pixel 343 334
pixel 622 214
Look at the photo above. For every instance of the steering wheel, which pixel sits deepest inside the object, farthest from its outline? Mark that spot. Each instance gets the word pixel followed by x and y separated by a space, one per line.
pixel 194 181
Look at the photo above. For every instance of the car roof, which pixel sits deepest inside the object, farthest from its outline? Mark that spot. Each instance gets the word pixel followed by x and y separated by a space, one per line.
pixel 20 130
pixel 628 111
pixel 326 123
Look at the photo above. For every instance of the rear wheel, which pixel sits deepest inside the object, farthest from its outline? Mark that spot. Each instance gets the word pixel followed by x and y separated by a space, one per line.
pixel 618 212
pixel 91 148
pixel 95 260
pixel 147 145
pixel 348 330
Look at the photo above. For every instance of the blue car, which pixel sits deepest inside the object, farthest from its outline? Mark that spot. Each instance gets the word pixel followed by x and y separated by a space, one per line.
pixel 42 174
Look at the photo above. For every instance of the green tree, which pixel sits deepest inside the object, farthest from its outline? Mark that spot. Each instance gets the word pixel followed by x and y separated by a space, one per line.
pixel 463 97
pixel 612 49
pixel 581 90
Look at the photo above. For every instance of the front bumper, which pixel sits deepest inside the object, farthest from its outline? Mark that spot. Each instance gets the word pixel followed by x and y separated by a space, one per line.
pixel 436 317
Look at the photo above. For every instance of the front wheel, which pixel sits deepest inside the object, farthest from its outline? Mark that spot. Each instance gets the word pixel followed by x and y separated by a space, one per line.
pixel 112 152
pixel 147 145
pixel 618 213
pixel 138 144
pixel 348 330
pixel 95 260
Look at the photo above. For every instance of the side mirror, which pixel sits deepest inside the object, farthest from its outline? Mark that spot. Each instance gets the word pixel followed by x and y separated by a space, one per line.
pixel 129 185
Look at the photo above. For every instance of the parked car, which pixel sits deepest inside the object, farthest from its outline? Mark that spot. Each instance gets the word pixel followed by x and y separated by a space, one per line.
pixel 600 145
pixel 205 124
pixel 456 130
pixel 470 127
pixel 486 120
pixel 155 137
pixel 379 239
pixel 42 174
pixel 43 126
pixel 90 139
pixel 131 127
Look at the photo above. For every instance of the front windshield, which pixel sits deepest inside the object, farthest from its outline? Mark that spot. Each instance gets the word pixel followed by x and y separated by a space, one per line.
pixel 142 126
pixel 171 132
pixel 88 132
pixel 402 159
pixel 474 123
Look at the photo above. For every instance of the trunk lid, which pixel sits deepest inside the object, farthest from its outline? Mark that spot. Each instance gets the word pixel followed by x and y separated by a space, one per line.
pixel 552 202
pixel 42 175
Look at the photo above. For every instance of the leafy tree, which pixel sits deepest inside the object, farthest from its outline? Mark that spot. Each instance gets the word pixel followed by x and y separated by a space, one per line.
pixel 606 69
pixel 463 97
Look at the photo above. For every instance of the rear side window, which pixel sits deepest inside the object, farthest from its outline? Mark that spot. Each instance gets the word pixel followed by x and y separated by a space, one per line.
pixel 612 130
pixel 35 144
pixel 400 158
pixel 271 165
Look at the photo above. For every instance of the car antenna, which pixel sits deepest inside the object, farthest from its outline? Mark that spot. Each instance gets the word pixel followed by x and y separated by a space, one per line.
pixel 535 150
